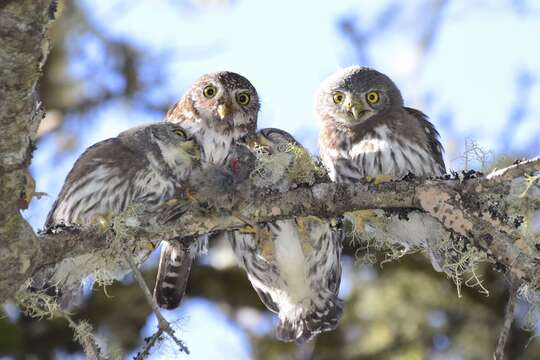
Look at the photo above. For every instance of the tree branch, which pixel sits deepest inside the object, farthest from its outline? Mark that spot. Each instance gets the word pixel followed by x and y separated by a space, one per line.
pixel 479 209
pixel 519 169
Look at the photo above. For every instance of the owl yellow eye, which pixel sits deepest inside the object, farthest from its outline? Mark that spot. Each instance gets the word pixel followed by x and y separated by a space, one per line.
pixel 243 98
pixel 339 97
pixel 181 132
pixel 372 97
pixel 210 91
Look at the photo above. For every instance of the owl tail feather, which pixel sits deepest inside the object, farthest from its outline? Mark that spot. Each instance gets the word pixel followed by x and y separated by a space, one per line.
pixel 173 273
pixel 316 320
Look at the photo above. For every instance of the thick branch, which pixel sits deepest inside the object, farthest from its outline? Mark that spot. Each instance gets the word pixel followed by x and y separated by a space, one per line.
pixel 472 208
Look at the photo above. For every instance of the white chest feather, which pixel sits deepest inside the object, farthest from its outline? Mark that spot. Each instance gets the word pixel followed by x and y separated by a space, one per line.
pixel 291 261
pixel 215 146
pixel 380 154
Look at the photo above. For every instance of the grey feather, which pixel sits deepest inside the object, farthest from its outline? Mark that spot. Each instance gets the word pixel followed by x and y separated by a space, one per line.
pixel 146 165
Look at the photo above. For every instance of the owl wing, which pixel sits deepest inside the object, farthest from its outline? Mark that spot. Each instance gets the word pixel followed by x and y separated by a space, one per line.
pixel 277 136
pixel 296 274
pixel 434 143
pixel 262 273
pixel 100 181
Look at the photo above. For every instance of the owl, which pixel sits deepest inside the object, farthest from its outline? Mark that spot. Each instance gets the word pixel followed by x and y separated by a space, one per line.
pixel 146 165
pixel 294 264
pixel 367 131
pixel 218 109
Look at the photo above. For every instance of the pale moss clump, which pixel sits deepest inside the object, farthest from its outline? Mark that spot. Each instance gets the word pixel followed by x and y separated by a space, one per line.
pixel 372 231
pixel 283 166
pixel 37 304
pixel 82 331
pixel 460 260
pixel 303 169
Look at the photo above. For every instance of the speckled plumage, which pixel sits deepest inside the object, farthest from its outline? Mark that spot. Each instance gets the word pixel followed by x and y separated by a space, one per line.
pixel 216 121
pixel 294 264
pixel 145 165
pixel 200 115
pixel 360 139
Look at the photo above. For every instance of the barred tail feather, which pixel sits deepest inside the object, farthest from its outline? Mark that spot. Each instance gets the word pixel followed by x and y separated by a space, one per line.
pixel 315 320
pixel 173 273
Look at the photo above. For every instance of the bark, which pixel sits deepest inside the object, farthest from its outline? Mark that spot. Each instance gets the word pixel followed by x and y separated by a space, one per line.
pixel 479 209
pixel 23 50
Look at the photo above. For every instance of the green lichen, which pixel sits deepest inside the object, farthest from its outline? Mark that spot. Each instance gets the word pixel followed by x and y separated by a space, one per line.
pixel 38 304
pixel 283 165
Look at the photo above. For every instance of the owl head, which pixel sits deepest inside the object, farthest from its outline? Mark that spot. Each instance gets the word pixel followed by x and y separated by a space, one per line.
pixel 168 146
pixel 223 101
pixel 356 94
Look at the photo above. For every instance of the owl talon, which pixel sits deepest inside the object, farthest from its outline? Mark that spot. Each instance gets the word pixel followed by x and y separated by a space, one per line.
pixel 376 180
pixel 359 218
pixel 172 202
pixel 103 221
pixel 248 229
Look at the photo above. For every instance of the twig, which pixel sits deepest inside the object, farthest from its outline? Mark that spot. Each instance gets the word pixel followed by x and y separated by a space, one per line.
pixel 164 325
pixel 516 170
pixel 84 337
pixel 150 342
pixel 508 320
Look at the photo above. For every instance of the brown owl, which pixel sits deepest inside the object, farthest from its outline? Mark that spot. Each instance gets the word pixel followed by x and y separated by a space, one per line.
pixel 218 109
pixel 367 131
pixel 293 264
pixel 146 165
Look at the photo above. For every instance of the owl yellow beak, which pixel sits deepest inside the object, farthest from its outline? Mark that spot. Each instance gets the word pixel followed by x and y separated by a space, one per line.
pixel 356 109
pixel 192 149
pixel 223 110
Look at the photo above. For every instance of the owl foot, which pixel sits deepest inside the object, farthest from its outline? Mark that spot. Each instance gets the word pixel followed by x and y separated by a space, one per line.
pixel 29 192
pixel 379 179
pixel 103 221
pixel 359 218
pixel 248 229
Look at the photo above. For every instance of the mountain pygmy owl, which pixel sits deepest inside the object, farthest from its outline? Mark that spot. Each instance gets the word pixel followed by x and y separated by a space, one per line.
pixel 294 264
pixel 145 165
pixel 367 131
pixel 218 109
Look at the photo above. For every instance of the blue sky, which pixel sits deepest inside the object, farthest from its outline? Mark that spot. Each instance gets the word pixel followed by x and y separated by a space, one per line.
pixel 471 83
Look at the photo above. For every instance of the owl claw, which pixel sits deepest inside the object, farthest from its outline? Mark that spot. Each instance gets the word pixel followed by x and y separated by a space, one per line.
pixel 359 218
pixel 172 202
pixel 103 221
pixel 376 180
pixel 248 229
